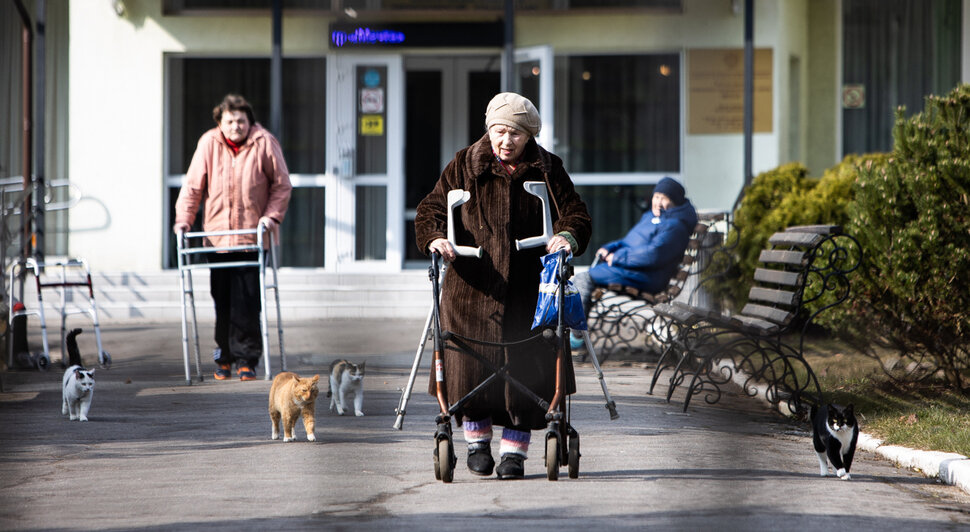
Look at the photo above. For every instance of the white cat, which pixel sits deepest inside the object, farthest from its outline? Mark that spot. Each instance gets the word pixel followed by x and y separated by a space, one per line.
pixel 78 391
pixel 346 378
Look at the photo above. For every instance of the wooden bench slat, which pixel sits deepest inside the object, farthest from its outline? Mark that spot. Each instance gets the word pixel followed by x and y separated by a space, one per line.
pixel 805 240
pixel 780 256
pixel 820 229
pixel 763 326
pixel 774 314
pixel 765 275
pixel 772 295
pixel 681 314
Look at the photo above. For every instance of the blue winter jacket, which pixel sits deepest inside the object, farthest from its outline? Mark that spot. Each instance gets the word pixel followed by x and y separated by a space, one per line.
pixel 649 255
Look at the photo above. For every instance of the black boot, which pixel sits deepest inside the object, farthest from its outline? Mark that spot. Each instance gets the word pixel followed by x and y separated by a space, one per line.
pixel 480 461
pixel 512 466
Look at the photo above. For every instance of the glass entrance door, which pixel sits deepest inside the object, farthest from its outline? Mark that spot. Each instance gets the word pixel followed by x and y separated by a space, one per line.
pixel 445 112
pixel 534 79
pixel 365 152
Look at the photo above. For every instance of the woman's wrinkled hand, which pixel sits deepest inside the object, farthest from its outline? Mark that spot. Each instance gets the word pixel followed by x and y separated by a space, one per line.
pixel 556 243
pixel 444 248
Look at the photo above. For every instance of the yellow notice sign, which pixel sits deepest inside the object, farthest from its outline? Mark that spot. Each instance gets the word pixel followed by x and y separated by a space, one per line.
pixel 372 125
pixel 715 91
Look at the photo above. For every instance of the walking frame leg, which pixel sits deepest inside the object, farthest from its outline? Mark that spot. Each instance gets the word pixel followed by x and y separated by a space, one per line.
pixel 185 325
pixel 195 328
pixel 406 393
pixel 610 405
pixel 40 314
pixel 276 292
pixel 263 325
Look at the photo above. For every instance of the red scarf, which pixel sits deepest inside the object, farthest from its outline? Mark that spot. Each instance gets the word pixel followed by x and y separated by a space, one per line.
pixel 235 147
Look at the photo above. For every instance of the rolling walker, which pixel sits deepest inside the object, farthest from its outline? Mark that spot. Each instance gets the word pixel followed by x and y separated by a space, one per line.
pixel 561 439
pixel 185 264
pixel 74 275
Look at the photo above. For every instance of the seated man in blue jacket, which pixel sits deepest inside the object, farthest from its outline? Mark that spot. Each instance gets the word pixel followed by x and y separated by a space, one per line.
pixel 650 254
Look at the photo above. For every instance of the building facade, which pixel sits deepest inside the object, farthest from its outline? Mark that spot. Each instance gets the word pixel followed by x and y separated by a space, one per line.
pixel 377 95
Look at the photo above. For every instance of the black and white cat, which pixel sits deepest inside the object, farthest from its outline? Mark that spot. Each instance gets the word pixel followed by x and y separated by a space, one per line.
pixel 78 383
pixel 346 378
pixel 834 433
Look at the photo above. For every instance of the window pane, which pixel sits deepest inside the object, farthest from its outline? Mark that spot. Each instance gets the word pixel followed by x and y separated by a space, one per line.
pixel 528 81
pixel 897 53
pixel 301 237
pixel 304 115
pixel 371 223
pixel 197 85
pixel 422 161
pixel 614 209
pixel 171 261
pixel 619 113
pixel 371 120
pixel 411 251
pixel 482 87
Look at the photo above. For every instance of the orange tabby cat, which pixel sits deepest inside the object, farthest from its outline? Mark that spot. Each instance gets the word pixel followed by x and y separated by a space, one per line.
pixel 289 397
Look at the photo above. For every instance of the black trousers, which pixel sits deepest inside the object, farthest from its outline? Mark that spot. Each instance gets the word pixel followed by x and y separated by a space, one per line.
pixel 235 291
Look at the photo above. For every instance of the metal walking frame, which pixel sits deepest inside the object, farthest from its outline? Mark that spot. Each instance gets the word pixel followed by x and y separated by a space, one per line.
pixel 80 278
pixel 186 288
pixel 561 440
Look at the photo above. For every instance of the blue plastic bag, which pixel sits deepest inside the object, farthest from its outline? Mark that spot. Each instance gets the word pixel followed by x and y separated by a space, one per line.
pixel 547 307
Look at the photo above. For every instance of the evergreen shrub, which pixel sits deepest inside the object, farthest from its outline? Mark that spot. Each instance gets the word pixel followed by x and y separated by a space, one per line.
pixel 912 217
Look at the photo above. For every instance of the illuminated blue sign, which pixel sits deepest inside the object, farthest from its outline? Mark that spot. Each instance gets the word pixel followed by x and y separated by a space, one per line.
pixel 365 36
pixel 345 35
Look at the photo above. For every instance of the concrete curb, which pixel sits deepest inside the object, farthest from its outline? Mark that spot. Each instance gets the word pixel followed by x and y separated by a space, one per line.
pixel 951 468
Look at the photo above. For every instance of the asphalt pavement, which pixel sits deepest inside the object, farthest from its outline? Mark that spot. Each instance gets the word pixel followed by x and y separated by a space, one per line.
pixel 158 454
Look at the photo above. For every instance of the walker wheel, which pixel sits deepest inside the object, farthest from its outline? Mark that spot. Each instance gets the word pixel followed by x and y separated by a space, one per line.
pixel 574 457
pixel 552 457
pixel 444 469
pixel 105 360
pixel 42 361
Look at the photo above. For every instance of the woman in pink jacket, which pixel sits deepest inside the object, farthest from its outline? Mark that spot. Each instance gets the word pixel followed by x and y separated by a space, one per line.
pixel 239 172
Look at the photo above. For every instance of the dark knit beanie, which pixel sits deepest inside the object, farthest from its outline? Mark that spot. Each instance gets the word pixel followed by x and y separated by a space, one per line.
pixel 672 189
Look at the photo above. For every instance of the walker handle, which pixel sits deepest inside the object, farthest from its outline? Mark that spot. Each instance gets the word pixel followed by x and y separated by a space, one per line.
pixel 455 198
pixel 538 189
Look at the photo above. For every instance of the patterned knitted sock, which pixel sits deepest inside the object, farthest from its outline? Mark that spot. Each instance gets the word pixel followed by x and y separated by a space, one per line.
pixel 478 433
pixel 515 441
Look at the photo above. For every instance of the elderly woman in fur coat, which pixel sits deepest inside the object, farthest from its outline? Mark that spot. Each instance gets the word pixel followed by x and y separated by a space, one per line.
pixel 493 298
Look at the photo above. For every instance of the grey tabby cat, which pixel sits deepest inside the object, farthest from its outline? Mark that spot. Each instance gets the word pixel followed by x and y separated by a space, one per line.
pixel 346 378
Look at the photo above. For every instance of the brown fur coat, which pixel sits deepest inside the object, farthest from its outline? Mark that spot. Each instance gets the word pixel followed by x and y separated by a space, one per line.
pixel 494 298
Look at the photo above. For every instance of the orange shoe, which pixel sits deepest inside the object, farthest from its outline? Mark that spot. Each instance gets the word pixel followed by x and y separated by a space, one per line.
pixel 246 374
pixel 224 372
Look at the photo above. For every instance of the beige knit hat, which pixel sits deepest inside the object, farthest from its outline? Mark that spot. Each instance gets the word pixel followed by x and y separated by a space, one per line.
pixel 513 110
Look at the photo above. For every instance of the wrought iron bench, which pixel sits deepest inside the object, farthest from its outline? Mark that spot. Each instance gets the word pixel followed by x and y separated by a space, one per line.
pixel 620 317
pixel 761 347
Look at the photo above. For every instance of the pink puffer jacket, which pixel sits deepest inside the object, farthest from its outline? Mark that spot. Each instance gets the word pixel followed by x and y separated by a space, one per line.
pixel 237 189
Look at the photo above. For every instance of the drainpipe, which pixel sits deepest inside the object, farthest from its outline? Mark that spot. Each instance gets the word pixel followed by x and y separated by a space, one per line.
pixel 508 69
pixel 276 74
pixel 26 93
pixel 748 96
pixel 40 6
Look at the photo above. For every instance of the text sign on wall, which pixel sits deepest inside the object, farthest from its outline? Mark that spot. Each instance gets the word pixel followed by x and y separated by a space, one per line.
pixel 715 91
pixel 417 35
